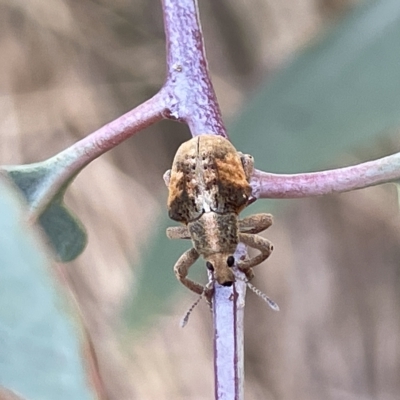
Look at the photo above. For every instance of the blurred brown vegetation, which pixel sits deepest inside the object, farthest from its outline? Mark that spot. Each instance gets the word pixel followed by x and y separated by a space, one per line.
pixel 67 67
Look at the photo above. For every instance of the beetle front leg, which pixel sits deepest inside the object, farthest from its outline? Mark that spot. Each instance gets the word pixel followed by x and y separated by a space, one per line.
pixel 258 243
pixel 248 164
pixel 255 223
pixel 181 269
pixel 178 232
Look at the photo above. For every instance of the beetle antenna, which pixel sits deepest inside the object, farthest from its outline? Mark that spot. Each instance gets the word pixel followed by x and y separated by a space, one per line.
pixel 259 293
pixel 185 319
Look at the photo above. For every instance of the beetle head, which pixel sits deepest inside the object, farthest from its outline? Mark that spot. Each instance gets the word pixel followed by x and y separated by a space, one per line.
pixel 221 265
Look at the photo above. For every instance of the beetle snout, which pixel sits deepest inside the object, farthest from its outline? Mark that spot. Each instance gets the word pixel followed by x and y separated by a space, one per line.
pixel 225 277
pixel 217 264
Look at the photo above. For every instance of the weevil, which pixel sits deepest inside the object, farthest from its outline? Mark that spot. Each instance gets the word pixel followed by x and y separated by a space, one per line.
pixel 209 185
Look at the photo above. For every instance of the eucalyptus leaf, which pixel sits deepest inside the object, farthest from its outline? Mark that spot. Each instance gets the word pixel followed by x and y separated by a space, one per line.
pixel 65 233
pixel 40 352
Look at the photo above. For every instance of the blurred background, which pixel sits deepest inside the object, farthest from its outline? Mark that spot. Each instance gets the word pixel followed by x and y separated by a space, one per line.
pixel 303 85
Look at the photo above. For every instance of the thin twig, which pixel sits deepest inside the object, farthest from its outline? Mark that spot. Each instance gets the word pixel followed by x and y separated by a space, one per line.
pixel 64 166
pixel 276 186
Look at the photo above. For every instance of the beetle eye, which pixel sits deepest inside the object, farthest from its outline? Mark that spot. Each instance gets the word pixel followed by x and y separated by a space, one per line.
pixel 230 261
pixel 209 266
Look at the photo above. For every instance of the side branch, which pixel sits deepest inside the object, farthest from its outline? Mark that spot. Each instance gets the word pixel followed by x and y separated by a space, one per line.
pixel 115 132
pixel 64 166
pixel 276 186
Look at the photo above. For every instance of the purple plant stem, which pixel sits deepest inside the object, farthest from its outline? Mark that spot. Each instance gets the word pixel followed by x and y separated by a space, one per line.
pixel 191 99
pixel 275 186
pixel 228 313
pixel 115 132
pixel 65 165
pixel 189 92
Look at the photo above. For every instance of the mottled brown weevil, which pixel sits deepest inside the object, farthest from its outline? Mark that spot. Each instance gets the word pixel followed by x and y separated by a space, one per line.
pixel 208 188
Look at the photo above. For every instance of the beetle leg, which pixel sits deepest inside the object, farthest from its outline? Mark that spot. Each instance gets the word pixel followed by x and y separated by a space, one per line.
pixel 248 164
pixel 259 243
pixel 181 269
pixel 178 232
pixel 255 223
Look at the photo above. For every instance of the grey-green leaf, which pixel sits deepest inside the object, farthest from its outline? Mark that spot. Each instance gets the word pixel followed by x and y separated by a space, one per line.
pixel 40 351
pixel 65 233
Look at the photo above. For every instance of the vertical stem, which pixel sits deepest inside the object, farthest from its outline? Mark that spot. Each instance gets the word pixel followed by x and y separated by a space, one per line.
pixel 189 91
pixel 190 98
pixel 228 341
